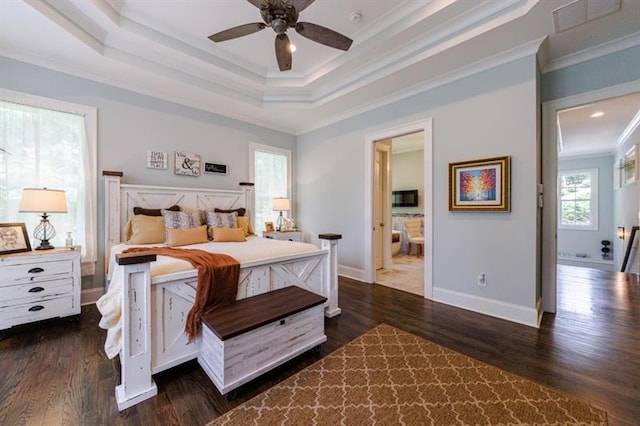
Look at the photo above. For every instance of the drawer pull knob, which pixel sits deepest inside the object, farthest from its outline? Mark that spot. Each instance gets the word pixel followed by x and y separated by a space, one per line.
pixel 282 322
pixel 36 290
pixel 36 308
pixel 35 270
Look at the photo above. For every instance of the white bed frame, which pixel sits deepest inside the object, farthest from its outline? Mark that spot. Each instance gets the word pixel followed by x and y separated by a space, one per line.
pixel 155 309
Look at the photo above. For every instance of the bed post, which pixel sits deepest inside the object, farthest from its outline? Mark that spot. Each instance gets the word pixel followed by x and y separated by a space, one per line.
pixel 111 212
pixel 330 243
pixel 136 383
pixel 248 199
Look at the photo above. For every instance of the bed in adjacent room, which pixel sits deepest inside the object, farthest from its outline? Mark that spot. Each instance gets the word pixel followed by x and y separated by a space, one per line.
pixel 147 301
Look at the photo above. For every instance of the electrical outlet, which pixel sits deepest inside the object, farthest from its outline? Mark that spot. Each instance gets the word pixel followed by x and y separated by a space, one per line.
pixel 482 280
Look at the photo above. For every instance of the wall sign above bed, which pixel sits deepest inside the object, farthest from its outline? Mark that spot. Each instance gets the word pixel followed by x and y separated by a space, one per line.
pixel 220 169
pixel 187 164
pixel 157 160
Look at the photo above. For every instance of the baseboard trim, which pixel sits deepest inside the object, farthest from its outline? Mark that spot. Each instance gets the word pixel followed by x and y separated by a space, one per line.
pixel 482 305
pixel 91 295
pixel 352 273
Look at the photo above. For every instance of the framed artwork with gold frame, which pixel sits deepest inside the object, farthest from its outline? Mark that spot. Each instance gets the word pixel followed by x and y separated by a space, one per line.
pixel 480 185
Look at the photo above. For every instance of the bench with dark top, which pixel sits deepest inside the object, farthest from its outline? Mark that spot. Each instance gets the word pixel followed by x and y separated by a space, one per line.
pixel 251 336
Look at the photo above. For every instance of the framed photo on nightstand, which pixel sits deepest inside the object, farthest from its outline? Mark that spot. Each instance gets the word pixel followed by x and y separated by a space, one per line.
pixel 268 226
pixel 13 238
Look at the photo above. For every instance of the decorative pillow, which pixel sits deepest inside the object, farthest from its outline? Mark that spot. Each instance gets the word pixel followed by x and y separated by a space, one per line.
pixel 221 235
pixel 154 212
pixel 243 222
pixel 250 228
pixel 182 237
pixel 220 220
pixel 142 229
pixel 182 220
pixel 241 211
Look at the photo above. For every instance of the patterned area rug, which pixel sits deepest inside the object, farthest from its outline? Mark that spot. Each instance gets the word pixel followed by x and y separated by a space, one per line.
pixel 388 376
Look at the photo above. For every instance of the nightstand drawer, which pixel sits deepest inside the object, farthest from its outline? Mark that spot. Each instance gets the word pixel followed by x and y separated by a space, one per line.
pixel 35 272
pixel 33 291
pixel 36 311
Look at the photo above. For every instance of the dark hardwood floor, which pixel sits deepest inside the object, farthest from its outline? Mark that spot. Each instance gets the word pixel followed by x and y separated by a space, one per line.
pixel 56 373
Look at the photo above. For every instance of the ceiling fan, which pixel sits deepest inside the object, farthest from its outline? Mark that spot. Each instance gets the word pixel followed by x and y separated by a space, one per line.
pixel 281 15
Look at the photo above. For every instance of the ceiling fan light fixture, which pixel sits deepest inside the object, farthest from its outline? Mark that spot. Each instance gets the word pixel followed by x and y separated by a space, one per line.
pixel 279 26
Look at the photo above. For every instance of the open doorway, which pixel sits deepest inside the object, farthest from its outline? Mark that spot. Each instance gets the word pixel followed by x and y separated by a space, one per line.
pixel 399 193
pixel 588 193
pixel 597 193
pixel 380 236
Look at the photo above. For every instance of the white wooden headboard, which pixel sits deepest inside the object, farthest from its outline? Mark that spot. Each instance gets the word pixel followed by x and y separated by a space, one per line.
pixel 120 199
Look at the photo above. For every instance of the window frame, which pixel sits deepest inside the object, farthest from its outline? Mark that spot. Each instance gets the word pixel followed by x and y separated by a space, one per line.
pixel 593 223
pixel 257 147
pixel 90 115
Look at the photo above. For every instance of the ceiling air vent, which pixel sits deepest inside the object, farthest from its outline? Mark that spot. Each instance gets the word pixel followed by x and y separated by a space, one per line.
pixel 580 11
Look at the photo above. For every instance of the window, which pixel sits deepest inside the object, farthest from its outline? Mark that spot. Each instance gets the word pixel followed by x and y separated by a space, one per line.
pixel 271 173
pixel 578 199
pixel 52 144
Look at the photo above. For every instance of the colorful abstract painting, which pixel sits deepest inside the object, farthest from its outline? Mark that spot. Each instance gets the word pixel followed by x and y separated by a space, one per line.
pixel 480 185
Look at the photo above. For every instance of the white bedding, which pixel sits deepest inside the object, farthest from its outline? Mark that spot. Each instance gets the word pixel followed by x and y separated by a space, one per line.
pixel 254 249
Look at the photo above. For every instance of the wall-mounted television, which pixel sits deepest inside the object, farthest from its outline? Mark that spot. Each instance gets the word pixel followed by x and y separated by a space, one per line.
pixel 407 198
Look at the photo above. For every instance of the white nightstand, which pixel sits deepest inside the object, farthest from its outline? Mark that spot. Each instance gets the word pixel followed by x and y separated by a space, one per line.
pixel 39 285
pixel 285 236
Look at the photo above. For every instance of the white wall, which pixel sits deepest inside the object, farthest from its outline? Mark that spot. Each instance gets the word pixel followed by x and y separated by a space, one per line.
pixel 129 124
pixel 489 114
pixel 572 241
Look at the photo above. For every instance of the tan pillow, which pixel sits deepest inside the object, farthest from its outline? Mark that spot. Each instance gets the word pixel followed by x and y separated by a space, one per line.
pixel 223 235
pixel 143 229
pixel 243 222
pixel 183 237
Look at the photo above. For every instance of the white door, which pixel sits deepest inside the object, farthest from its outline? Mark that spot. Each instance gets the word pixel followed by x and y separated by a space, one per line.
pixel 381 203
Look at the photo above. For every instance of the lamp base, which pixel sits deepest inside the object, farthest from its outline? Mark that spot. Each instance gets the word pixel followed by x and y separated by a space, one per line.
pixel 280 223
pixel 44 245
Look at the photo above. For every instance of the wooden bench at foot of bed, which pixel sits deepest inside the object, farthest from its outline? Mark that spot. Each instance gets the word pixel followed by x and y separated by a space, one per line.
pixel 251 336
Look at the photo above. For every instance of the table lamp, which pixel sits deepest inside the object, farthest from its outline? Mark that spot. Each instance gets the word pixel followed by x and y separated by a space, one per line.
pixel 281 205
pixel 45 201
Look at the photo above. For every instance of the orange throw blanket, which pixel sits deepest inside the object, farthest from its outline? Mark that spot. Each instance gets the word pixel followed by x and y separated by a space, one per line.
pixel 218 276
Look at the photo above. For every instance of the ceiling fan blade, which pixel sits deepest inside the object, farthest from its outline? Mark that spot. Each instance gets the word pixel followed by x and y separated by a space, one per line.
pixel 239 31
pixel 323 35
pixel 260 4
pixel 283 53
pixel 299 5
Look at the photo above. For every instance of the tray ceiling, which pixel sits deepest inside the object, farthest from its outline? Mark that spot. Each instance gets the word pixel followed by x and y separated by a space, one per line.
pixel 161 48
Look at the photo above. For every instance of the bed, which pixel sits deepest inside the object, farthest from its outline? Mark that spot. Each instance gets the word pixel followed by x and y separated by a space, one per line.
pixel 152 299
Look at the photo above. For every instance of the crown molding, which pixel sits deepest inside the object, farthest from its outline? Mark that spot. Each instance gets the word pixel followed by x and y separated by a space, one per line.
pixel 519 52
pixel 613 46
pixel 84 31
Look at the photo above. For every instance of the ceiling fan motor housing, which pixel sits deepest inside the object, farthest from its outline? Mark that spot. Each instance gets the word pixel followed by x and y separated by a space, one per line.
pixel 279 17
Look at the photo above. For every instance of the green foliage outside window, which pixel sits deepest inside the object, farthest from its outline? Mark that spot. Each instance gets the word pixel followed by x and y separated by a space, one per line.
pixel 575 199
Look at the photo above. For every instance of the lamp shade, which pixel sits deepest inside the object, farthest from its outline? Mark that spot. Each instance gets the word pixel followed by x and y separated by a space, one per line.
pixel 43 200
pixel 281 204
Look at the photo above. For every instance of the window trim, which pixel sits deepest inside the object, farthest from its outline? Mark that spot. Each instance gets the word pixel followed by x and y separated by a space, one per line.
pixel 90 115
pixel 593 226
pixel 253 147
